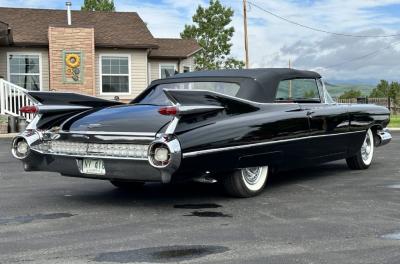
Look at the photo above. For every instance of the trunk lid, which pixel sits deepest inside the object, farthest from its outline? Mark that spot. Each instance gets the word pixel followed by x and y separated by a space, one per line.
pixel 126 118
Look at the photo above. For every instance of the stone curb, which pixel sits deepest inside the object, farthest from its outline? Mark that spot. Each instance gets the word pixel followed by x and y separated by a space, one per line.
pixel 11 135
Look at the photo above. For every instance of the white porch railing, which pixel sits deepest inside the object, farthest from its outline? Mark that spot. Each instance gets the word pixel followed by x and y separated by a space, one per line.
pixel 12 98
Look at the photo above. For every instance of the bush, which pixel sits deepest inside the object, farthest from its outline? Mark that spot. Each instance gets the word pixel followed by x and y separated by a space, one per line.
pixel 3 119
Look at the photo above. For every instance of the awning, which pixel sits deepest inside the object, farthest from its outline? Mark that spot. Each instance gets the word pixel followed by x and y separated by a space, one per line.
pixel 5 34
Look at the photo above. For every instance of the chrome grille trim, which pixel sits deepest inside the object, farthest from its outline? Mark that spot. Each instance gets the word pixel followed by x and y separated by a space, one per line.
pixel 93 150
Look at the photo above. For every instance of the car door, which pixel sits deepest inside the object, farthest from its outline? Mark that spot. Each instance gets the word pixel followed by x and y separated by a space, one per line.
pixel 329 124
pixel 292 124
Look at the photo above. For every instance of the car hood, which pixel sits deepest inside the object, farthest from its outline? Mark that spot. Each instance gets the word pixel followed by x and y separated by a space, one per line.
pixel 126 118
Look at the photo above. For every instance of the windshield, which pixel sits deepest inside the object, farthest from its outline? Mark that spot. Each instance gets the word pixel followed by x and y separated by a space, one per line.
pixel 156 96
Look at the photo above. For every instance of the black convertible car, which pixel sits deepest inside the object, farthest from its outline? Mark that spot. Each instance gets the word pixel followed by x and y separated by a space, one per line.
pixel 231 126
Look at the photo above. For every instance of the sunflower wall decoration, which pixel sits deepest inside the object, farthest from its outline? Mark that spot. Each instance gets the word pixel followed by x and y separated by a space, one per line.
pixel 73 66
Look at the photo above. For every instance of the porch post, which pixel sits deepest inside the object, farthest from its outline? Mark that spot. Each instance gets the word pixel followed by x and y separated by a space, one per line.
pixel 2 99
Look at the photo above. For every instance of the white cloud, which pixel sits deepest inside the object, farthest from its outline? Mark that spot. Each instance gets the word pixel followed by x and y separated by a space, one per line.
pixel 273 42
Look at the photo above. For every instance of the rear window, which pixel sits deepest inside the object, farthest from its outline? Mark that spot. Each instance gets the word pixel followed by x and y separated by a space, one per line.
pixel 298 90
pixel 156 95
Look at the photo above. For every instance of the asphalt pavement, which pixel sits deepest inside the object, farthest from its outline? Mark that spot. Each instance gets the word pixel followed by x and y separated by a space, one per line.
pixel 323 214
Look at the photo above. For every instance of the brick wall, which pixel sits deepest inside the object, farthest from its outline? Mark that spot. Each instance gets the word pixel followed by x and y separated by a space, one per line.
pixel 77 39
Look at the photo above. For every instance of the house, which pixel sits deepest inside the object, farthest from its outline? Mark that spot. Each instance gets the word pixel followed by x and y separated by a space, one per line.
pixel 104 54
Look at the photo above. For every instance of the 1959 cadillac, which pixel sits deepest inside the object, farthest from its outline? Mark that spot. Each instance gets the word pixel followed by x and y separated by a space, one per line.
pixel 231 126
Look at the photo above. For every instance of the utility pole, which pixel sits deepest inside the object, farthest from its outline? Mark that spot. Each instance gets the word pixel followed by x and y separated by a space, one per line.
pixel 290 81
pixel 246 40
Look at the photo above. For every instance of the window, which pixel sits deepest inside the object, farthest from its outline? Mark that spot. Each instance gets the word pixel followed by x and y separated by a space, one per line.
pixel 115 74
pixel 298 90
pixel 186 69
pixel 167 70
pixel 325 94
pixel 25 70
pixel 157 96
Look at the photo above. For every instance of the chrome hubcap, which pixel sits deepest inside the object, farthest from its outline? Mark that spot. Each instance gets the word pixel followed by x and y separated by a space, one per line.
pixel 366 148
pixel 252 175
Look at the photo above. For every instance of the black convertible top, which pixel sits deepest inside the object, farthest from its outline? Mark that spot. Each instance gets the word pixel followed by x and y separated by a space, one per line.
pixel 261 74
pixel 258 85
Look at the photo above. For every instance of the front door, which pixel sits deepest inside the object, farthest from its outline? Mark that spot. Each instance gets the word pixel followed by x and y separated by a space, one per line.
pixel 329 126
pixel 328 123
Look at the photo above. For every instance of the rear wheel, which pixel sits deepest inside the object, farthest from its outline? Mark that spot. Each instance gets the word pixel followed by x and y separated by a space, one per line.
pixel 127 185
pixel 363 159
pixel 246 182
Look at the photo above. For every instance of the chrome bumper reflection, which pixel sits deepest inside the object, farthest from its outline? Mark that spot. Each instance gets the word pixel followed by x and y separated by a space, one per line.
pixel 384 137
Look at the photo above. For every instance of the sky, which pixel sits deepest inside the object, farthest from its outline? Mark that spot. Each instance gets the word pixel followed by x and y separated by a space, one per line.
pixel 273 42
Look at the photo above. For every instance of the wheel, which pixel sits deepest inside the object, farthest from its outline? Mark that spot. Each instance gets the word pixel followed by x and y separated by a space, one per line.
pixel 363 159
pixel 246 182
pixel 127 185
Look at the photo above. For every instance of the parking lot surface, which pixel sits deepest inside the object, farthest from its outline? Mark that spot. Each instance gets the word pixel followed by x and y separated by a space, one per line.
pixel 323 214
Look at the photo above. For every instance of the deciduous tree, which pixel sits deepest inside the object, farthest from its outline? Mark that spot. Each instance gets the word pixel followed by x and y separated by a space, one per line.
pixel 211 30
pixel 98 5
pixel 351 94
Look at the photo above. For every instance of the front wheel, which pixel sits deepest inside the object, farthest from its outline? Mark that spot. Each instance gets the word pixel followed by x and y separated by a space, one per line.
pixel 246 182
pixel 363 159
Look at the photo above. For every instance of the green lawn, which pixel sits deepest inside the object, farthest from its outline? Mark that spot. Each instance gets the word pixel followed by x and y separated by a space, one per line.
pixel 394 121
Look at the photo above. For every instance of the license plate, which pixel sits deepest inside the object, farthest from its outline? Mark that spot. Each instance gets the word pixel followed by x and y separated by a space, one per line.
pixel 93 166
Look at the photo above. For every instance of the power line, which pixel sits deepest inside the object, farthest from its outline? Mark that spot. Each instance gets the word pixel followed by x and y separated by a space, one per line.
pixel 363 56
pixel 317 29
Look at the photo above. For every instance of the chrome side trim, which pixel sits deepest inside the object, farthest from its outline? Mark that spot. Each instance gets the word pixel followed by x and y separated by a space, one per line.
pixel 172 126
pixel 207 151
pixel 33 124
pixel 128 138
pixel 195 109
pixel 134 134
pixel 60 108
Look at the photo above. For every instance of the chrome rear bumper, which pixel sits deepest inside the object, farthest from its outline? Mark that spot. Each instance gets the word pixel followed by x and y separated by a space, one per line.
pixel 124 157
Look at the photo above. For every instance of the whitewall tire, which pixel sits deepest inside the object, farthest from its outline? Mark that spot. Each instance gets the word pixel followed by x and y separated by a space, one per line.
pixel 364 157
pixel 246 182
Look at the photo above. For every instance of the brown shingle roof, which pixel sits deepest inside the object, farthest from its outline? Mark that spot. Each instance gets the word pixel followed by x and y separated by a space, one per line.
pixel 175 48
pixel 112 29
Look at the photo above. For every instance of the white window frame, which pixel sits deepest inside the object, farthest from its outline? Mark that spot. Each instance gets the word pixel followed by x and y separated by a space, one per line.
pixel 127 55
pixel 165 64
pixel 183 68
pixel 32 74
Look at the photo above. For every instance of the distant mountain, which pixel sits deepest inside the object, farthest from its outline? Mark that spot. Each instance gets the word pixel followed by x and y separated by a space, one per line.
pixel 337 90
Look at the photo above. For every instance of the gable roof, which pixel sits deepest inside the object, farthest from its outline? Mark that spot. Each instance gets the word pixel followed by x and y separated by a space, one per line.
pixel 175 48
pixel 29 27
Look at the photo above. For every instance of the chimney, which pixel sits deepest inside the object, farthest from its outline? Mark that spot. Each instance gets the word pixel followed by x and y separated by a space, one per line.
pixel 68 4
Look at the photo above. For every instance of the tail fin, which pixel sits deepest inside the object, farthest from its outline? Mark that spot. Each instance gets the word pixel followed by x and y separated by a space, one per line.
pixel 210 99
pixel 55 107
pixel 61 98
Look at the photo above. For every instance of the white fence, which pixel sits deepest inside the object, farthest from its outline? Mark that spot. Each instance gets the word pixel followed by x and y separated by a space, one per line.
pixel 12 98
